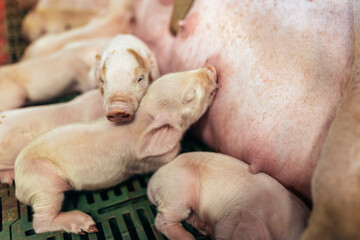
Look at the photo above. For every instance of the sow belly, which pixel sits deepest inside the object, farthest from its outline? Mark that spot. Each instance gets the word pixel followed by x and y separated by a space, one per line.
pixel 283 68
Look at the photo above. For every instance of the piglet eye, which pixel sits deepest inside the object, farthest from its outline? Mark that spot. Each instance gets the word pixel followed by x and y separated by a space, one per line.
pixel 140 79
pixel 101 80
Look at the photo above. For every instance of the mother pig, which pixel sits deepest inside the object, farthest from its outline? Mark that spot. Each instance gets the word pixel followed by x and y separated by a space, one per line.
pixel 283 70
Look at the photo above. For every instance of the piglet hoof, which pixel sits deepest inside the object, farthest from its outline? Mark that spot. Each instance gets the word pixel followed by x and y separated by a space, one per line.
pixel 84 226
pixel 75 222
pixel 92 229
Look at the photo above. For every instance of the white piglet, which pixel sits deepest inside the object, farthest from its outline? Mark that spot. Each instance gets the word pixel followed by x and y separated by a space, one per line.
pixel 43 78
pixel 220 197
pixel 19 126
pixel 126 57
pixel 100 154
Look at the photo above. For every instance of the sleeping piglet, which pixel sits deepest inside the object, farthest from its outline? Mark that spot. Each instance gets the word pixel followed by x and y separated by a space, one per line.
pixel 221 198
pixel 19 126
pixel 46 77
pixel 49 16
pixel 99 154
pixel 125 69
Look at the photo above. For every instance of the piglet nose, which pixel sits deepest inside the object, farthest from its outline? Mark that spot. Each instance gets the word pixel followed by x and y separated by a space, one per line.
pixel 119 113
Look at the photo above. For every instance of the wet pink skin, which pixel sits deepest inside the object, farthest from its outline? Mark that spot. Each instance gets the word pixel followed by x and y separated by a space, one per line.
pixel 283 68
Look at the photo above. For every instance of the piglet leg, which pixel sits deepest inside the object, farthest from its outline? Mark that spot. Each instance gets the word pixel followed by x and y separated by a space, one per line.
pixel 168 222
pixel 12 95
pixel 48 220
pixel 74 221
pixel 46 198
pixel 199 224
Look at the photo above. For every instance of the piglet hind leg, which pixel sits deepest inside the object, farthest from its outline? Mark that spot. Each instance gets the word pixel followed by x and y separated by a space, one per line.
pixel 46 199
pixel 168 221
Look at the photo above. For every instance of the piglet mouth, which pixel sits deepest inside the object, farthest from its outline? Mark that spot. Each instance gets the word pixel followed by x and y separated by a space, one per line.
pixel 119 113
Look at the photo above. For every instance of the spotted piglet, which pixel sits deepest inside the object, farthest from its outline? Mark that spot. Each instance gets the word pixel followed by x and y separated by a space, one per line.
pixel 126 57
pixel 99 154
pixel 221 198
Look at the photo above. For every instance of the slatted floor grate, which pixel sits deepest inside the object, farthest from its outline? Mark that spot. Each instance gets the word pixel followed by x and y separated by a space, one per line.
pixel 122 212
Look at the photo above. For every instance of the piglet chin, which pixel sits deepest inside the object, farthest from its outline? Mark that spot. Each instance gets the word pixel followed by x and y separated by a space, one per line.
pixel 120 113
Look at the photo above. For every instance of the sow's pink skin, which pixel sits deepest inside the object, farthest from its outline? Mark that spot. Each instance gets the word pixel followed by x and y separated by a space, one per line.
pixel 222 199
pixel 283 68
pixel 118 19
pixel 99 154
pixel 335 185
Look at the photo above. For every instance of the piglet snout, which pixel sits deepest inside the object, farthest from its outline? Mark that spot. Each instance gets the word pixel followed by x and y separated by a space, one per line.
pixel 120 112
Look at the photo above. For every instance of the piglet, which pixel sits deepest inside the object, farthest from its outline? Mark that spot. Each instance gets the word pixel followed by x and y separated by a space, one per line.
pixel 125 73
pixel 19 126
pixel 125 70
pixel 100 154
pixel 51 16
pixel 221 198
pixel 43 78
pixel 118 19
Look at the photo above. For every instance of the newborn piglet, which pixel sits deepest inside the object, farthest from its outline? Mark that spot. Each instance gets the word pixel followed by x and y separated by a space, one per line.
pixel 221 198
pixel 100 154
pixel 43 78
pixel 125 70
pixel 51 16
pixel 117 19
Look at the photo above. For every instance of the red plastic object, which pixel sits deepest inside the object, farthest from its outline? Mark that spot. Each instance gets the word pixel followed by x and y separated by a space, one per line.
pixel 3 38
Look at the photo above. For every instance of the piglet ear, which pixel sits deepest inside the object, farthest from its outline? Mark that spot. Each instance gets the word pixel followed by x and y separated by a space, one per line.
pixel 251 227
pixel 97 66
pixel 159 138
pixel 153 67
